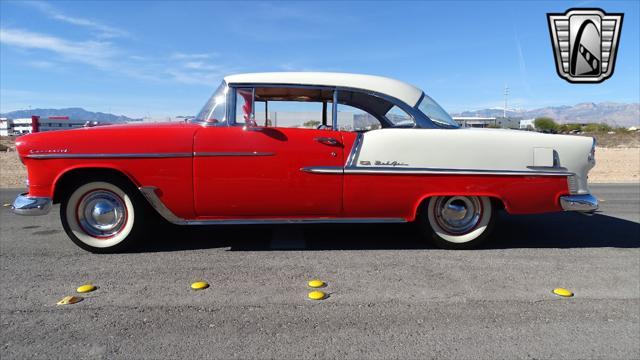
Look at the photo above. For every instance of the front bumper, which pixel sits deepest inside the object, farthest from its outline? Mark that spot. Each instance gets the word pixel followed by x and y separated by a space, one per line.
pixel 31 205
pixel 586 203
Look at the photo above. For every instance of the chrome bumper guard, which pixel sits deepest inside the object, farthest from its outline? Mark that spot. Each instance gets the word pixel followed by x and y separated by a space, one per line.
pixel 581 203
pixel 31 205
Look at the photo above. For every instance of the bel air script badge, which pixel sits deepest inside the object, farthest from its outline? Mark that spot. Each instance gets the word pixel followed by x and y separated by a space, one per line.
pixel 48 151
pixel 384 163
pixel 585 44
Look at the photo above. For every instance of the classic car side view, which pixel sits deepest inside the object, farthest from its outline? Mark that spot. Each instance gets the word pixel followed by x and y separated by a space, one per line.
pixel 302 148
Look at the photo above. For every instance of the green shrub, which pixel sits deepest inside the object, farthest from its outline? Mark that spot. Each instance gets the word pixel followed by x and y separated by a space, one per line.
pixel 545 124
pixel 596 128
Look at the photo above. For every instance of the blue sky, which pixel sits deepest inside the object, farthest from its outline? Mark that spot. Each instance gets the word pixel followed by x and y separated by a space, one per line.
pixel 165 58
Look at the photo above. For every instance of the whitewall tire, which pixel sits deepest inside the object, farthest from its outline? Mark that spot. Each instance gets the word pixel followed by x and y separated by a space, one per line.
pixel 101 216
pixel 458 222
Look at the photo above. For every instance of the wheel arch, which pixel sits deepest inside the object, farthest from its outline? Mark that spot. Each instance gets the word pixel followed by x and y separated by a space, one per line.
pixel 64 182
pixel 497 201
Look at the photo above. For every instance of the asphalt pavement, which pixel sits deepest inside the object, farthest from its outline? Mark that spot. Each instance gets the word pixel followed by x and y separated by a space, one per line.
pixel 390 294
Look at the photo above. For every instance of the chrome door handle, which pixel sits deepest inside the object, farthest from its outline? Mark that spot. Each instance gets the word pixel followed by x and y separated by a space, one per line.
pixel 327 141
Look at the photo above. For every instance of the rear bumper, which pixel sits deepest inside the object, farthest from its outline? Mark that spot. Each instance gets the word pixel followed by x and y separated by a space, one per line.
pixel 31 205
pixel 586 203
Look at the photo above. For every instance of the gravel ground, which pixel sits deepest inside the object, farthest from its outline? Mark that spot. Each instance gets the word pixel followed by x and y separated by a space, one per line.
pixel 616 165
pixel 391 296
pixel 12 173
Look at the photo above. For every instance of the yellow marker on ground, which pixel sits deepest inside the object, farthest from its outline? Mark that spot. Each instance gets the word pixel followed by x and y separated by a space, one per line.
pixel 199 285
pixel 562 292
pixel 6 205
pixel 317 283
pixel 86 288
pixel 68 300
pixel 317 295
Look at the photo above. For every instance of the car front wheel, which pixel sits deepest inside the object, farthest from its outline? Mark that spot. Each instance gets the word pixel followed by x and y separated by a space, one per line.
pixel 457 222
pixel 101 216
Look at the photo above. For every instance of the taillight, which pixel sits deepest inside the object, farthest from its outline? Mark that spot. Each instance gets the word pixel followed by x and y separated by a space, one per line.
pixel 592 153
pixel 572 183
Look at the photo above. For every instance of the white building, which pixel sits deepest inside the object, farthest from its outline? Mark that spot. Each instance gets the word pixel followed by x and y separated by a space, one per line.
pixel 475 121
pixel 483 122
pixel 59 123
pixel 346 120
pixel 4 127
pixel 21 126
pixel 528 124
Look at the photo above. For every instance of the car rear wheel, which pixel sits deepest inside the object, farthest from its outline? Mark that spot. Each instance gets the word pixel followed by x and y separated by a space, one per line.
pixel 457 222
pixel 102 216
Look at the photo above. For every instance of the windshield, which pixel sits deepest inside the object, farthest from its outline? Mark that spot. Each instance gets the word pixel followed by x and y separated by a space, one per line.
pixel 436 113
pixel 215 110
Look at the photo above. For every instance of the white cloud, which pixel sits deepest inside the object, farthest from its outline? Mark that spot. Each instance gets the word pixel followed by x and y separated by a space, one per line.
pixel 522 64
pixel 187 56
pixel 95 53
pixel 194 69
pixel 190 76
pixel 200 65
pixel 41 64
pixel 103 31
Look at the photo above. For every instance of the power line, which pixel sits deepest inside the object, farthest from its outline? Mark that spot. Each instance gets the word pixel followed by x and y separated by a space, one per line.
pixel 506 97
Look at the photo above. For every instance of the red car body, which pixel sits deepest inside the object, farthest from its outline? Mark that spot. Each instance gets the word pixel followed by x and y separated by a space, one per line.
pixel 189 182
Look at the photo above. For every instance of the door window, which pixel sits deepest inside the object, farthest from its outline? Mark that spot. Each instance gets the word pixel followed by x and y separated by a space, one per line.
pixel 295 114
pixel 312 108
pixel 296 107
pixel 244 105
pixel 399 118
pixel 353 119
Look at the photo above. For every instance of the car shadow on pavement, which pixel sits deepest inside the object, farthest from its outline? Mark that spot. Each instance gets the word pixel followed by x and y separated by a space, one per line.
pixel 559 230
pixel 564 230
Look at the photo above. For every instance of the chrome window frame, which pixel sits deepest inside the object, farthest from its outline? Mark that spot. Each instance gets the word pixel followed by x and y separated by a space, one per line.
pixel 226 111
pixel 416 115
pixel 233 95
pixel 253 86
pixel 422 121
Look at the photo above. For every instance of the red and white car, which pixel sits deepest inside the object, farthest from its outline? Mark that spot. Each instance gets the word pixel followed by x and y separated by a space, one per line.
pixel 302 148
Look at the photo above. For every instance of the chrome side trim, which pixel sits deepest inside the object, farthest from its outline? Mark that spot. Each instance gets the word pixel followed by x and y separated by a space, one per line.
pixel 31 205
pixel 355 150
pixel 334 111
pixel 233 153
pixel 353 170
pixel 149 192
pixel 111 156
pixel 323 169
pixel 581 203
pixel 545 168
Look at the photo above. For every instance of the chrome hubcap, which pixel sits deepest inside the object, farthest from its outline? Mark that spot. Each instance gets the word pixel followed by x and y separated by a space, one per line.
pixel 458 214
pixel 101 213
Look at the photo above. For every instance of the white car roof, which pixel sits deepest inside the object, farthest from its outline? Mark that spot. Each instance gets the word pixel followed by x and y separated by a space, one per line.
pixel 391 87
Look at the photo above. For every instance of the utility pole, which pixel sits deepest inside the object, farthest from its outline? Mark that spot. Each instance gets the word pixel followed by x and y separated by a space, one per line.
pixel 506 96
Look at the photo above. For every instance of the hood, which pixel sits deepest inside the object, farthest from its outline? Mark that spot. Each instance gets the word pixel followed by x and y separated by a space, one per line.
pixel 108 139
